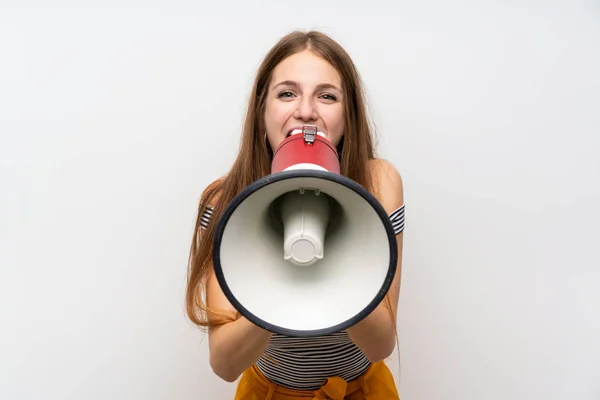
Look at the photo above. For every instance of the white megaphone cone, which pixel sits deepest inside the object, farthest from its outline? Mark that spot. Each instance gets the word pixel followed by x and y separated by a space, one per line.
pixel 305 251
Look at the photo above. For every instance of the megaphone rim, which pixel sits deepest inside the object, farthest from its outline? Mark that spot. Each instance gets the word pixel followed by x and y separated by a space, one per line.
pixel 290 174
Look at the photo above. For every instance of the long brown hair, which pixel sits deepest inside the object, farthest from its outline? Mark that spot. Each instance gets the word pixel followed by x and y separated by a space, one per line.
pixel 254 158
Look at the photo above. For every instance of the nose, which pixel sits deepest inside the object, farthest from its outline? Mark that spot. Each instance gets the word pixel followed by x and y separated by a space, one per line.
pixel 306 110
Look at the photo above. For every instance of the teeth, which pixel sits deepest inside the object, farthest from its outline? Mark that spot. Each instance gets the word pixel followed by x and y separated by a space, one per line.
pixel 297 131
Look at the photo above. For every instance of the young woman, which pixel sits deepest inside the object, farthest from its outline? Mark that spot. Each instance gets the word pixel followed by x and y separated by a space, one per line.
pixel 305 79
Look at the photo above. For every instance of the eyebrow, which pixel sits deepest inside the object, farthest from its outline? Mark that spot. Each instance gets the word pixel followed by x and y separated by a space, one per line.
pixel 319 87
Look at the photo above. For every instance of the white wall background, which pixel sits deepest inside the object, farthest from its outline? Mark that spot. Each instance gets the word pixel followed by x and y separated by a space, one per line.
pixel 114 117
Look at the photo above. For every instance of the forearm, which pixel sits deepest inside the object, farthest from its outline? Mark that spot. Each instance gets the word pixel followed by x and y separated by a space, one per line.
pixel 375 335
pixel 235 346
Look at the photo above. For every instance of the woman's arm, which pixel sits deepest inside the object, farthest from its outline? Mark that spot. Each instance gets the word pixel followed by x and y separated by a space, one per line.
pixel 235 346
pixel 375 335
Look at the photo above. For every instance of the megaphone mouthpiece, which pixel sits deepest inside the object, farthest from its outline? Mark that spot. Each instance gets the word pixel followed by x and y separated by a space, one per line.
pixel 306 148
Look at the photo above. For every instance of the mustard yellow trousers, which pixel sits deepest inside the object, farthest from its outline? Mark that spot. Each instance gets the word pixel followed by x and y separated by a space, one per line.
pixel 377 383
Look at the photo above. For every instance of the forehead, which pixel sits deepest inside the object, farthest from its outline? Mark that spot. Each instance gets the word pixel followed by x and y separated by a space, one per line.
pixel 306 68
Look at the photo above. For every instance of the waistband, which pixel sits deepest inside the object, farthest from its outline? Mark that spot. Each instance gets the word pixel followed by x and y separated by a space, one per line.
pixel 335 388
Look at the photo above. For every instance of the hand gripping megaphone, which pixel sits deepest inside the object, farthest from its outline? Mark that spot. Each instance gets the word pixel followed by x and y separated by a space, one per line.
pixel 305 251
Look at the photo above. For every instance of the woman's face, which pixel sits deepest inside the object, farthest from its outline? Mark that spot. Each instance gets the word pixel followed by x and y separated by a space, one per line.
pixel 304 90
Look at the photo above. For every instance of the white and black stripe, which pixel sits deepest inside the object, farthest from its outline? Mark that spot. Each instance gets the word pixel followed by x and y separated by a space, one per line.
pixel 397 218
pixel 306 363
pixel 205 218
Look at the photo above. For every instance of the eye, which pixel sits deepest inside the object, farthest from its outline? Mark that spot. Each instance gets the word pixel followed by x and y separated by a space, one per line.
pixel 329 97
pixel 285 94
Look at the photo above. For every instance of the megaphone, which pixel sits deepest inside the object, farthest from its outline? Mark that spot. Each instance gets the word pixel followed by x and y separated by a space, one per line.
pixel 305 251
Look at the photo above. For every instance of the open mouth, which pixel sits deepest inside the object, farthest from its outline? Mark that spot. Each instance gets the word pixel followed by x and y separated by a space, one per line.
pixel 296 131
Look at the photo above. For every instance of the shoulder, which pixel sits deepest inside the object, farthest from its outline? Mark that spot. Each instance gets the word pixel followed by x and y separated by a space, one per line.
pixel 387 182
pixel 208 200
pixel 211 193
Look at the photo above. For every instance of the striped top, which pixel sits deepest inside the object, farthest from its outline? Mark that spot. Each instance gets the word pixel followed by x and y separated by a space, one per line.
pixel 306 363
